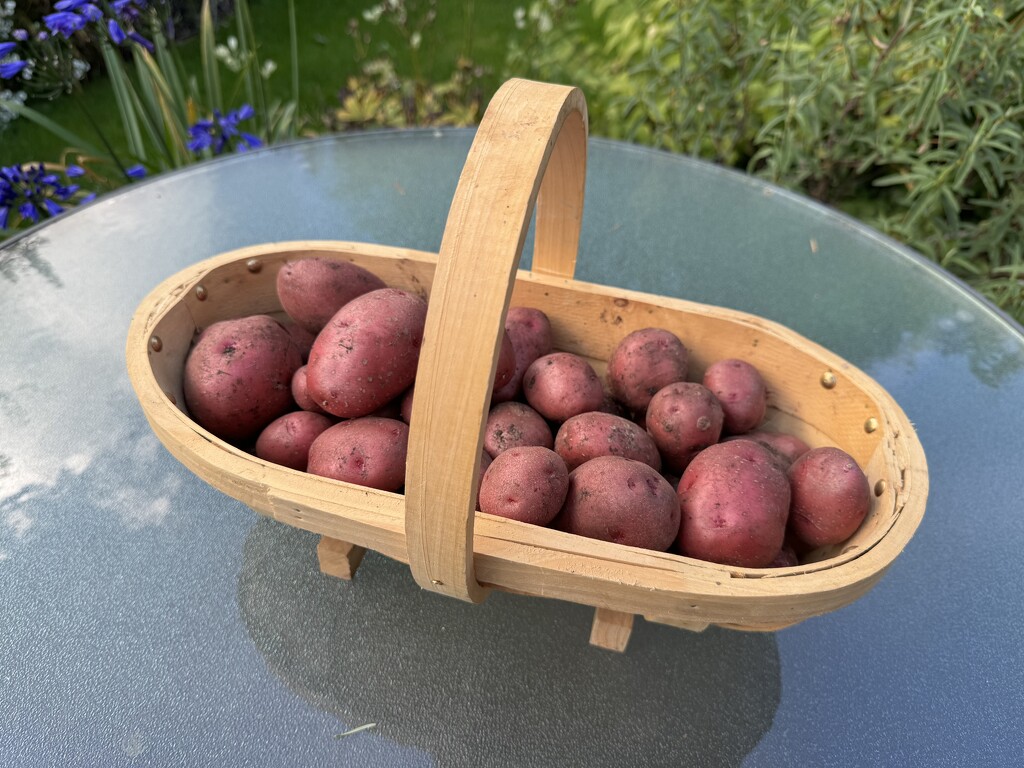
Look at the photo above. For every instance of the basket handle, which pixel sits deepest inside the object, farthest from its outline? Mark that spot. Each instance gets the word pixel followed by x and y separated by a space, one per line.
pixel 530 150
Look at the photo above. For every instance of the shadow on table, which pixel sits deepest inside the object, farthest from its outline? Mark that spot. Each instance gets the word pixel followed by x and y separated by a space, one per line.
pixel 510 682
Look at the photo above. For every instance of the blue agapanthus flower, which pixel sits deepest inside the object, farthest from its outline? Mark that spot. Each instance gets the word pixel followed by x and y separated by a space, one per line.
pixel 221 133
pixel 33 191
pixel 73 15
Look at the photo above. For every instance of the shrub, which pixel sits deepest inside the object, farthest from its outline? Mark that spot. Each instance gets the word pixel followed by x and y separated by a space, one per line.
pixel 907 114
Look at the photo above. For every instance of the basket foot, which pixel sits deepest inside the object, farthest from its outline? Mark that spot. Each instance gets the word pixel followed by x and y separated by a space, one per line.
pixel 339 558
pixel 611 629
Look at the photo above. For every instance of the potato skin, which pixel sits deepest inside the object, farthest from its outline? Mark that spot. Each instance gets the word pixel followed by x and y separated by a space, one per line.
pixel 741 391
pixel 790 446
pixel 589 435
pixel 368 451
pixel 620 500
pixel 367 353
pixel 561 385
pixel 237 376
pixel 831 497
pixel 735 501
pixel 683 419
pixel 287 438
pixel 311 290
pixel 300 393
pixel 529 330
pixel 515 425
pixel 526 484
pixel 506 366
pixel 644 362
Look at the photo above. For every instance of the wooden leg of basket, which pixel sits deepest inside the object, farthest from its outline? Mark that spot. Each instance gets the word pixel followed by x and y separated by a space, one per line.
pixel 339 558
pixel 611 629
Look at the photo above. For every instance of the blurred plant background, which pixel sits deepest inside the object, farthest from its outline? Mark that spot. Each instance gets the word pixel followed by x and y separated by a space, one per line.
pixel 906 114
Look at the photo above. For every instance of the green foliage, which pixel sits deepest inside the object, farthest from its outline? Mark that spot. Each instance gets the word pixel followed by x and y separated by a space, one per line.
pixel 905 113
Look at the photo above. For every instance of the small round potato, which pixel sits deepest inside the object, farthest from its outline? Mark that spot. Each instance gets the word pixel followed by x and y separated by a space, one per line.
pixel 300 394
pixel 238 375
pixel 311 290
pixel 589 435
pixel 286 439
pixel 560 385
pixel 735 501
pixel 683 419
pixel 526 484
pixel 515 425
pixel 622 501
pixel 644 362
pixel 741 391
pixel 530 332
pixel 831 497
pixel 366 451
pixel 790 446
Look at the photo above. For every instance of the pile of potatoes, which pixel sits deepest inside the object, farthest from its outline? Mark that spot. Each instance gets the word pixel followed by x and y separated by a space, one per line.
pixel 645 458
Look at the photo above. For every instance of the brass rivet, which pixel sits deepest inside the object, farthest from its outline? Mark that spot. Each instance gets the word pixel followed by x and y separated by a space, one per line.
pixel 871 425
pixel 254 265
pixel 828 379
pixel 201 292
pixel 155 344
pixel 880 487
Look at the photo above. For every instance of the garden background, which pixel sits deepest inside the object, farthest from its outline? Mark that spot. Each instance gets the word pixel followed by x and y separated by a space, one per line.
pixel 905 114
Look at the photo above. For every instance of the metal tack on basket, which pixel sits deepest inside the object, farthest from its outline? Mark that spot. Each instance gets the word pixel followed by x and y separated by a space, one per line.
pixel 530 152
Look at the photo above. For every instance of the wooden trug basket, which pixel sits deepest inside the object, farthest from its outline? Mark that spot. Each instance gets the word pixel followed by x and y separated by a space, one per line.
pixel 530 151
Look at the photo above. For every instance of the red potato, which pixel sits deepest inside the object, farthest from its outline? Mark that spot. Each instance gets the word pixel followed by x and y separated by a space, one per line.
pixel 303 339
pixel 367 354
pixel 589 435
pixel 527 484
pixel 300 393
pixel 560 385
pixel 530 332
pixel 683 419
pixel 237 376
pixel 312 290
pixel 506 363
pixel 831 497
pixel 644 362
pixel 622 501
pixel 286 439
pixel 515 425
pixel 790 446
pixel 367 451
pixel 734 500
pixel 405 410
pixel 741 391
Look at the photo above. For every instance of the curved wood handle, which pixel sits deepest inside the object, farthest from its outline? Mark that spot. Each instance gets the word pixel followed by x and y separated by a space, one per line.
pixel 532 140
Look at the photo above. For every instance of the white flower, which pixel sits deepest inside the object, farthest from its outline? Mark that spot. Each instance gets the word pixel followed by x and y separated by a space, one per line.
pixel 414 40
pixel 519 14
pixel 269 67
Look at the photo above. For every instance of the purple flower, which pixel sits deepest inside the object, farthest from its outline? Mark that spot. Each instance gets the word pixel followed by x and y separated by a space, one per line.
pixel 136 172
pixel 116 33
pixel 32 191
pixel 6 48
pixel 64 23
pixel 21 35
pixel 74 171
pixel 221 132
pixel 11 68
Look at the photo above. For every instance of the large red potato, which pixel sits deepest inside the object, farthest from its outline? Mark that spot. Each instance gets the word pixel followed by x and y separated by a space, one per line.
pixel 831 497
pixel 589 435
pixel 561 385
pixel 644 362
pixel 622 501
pixel 683 419
pixel 287 438
pixel 238 376
pixel 368 451
pixel 734 500
pixel 367 353
pixel 526 484
pixel 741 391
pixel 312 290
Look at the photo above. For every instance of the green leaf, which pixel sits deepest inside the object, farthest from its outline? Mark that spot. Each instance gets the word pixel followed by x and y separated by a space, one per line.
pixel 73 139
pixel 208 58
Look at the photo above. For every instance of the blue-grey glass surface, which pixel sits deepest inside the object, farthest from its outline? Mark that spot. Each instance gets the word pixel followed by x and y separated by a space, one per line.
pixel 147 619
